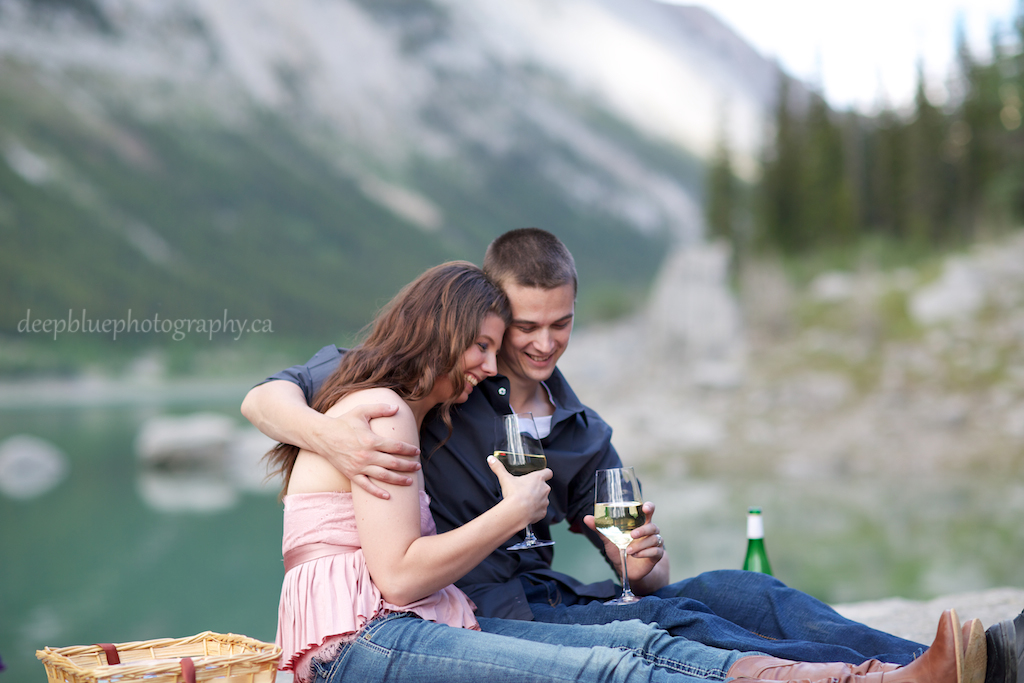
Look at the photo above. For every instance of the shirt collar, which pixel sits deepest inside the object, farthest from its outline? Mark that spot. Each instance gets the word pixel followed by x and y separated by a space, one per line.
pixel 496 389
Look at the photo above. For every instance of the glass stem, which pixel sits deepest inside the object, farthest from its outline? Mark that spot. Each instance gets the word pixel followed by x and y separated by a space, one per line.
pixel 530 538
pixel 625 576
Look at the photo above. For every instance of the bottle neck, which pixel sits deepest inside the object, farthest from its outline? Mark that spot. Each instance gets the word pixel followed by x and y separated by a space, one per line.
pixel 755 527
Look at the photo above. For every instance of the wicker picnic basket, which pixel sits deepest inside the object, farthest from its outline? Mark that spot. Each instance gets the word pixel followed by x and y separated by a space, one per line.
pixel 208 656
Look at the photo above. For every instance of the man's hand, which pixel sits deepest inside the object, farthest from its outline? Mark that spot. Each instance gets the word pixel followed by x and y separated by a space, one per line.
pixel 278 409
pixel 361 454
pixel 648 565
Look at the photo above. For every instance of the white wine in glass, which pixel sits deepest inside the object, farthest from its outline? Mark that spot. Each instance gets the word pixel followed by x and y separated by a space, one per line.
pixel 518 465
pixel 618 509
pixel 520 451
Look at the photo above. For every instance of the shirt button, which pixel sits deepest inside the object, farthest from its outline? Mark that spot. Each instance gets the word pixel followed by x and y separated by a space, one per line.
pixel 502 391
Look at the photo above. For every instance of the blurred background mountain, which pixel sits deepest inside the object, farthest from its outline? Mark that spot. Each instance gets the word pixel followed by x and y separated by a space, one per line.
pixel 297 163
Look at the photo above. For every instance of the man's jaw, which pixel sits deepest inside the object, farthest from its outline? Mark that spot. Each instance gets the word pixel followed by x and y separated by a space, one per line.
pixel 527 367
pixel 538 368
pixel 539 359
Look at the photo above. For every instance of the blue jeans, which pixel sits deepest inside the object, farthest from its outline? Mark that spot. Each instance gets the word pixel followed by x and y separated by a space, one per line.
pixel 737 610
pixel 402 647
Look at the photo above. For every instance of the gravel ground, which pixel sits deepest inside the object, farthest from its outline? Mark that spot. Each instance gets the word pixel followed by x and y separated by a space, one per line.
pixel 831 378
pixel 916 620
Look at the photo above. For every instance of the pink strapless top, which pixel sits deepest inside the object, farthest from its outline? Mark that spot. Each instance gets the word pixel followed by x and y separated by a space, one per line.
pixel 327 600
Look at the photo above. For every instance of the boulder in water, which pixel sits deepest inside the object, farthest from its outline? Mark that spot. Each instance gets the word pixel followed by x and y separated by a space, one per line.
pixel 30 466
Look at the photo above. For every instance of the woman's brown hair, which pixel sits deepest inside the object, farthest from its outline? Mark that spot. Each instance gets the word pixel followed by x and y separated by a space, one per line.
pixel 417 338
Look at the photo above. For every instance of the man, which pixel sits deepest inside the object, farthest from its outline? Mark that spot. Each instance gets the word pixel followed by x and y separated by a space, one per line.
pixel 728 609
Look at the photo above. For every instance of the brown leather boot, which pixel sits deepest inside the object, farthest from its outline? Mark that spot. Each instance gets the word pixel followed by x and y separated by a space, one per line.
pixel 941 663
pixel 762 668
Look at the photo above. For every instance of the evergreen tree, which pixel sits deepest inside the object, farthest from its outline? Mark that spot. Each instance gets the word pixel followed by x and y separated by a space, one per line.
pixel 724 210
pixel 779 201
pixel 1013 119
pixel 929 174
pixel 888 177
pixel 855 144
pixel 721 192
pixel 958 142
pixel 826 195
pixel 982 130
pixel 935 177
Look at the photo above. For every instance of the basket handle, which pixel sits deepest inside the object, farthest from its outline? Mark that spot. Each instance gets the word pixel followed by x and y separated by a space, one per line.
pixel 188 667
pixel 188 670
pixel 111 651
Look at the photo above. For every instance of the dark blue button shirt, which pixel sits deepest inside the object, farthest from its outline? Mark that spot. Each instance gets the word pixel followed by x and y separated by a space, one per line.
pixel 462 487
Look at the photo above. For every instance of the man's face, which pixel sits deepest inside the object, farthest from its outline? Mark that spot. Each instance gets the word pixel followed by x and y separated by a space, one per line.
pixel 539 333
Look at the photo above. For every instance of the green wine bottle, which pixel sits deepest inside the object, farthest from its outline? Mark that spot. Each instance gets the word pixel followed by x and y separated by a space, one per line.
pixel 757 558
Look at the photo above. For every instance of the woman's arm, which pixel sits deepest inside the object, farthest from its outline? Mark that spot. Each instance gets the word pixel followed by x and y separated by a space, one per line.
pixel 407 567
pixel 278 409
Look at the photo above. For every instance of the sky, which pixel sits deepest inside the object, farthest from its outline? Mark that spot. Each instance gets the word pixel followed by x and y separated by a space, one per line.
pixel 864 54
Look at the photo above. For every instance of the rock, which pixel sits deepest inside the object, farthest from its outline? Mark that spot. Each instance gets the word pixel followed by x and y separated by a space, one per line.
pixel 245 461
pixel 198 440
pixel 693 317
pixel 957 294
pixel 201 463
pixel 30 466
pixel 831 287
pixel 916 619
pixel 648 429
pixel 186 492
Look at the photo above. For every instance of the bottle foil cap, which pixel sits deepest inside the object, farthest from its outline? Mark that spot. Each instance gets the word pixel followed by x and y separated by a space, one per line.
pixel 755 525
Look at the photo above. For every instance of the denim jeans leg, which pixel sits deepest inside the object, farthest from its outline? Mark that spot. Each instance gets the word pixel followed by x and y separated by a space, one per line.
pixel 401 649
pixel 759 614
pixel 644 640
pixel 784 613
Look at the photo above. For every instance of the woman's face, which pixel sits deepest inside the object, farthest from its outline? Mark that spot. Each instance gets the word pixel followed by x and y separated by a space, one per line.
pixel 480 359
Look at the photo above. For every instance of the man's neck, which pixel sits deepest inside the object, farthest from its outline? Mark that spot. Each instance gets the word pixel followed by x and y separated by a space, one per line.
pixel 528 396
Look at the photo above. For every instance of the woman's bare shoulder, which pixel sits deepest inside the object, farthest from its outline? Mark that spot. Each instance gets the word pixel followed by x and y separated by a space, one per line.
pixel 401 425
pixel 365 396
pixel 314 473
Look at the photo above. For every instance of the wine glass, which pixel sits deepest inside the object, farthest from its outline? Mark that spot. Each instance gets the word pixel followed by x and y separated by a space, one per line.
pixel 618 509
pixel 520 451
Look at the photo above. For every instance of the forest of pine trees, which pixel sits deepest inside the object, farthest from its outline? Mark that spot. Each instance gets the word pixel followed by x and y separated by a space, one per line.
pixel 930 176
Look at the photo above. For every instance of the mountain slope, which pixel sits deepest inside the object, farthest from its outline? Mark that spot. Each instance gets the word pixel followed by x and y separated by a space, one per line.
pixel 299 162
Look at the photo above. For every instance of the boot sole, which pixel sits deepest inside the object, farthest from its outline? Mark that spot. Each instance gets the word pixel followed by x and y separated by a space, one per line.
pixel 1003 645
pixel 975 653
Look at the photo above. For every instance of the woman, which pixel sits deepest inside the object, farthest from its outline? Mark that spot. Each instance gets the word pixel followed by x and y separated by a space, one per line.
pixel 368 591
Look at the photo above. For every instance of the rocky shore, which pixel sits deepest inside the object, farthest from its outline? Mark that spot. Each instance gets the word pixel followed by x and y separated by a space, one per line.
pixel 828 378
pixel 916 620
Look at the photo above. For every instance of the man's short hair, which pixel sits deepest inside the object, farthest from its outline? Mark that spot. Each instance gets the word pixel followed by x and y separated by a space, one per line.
pixel 530 257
